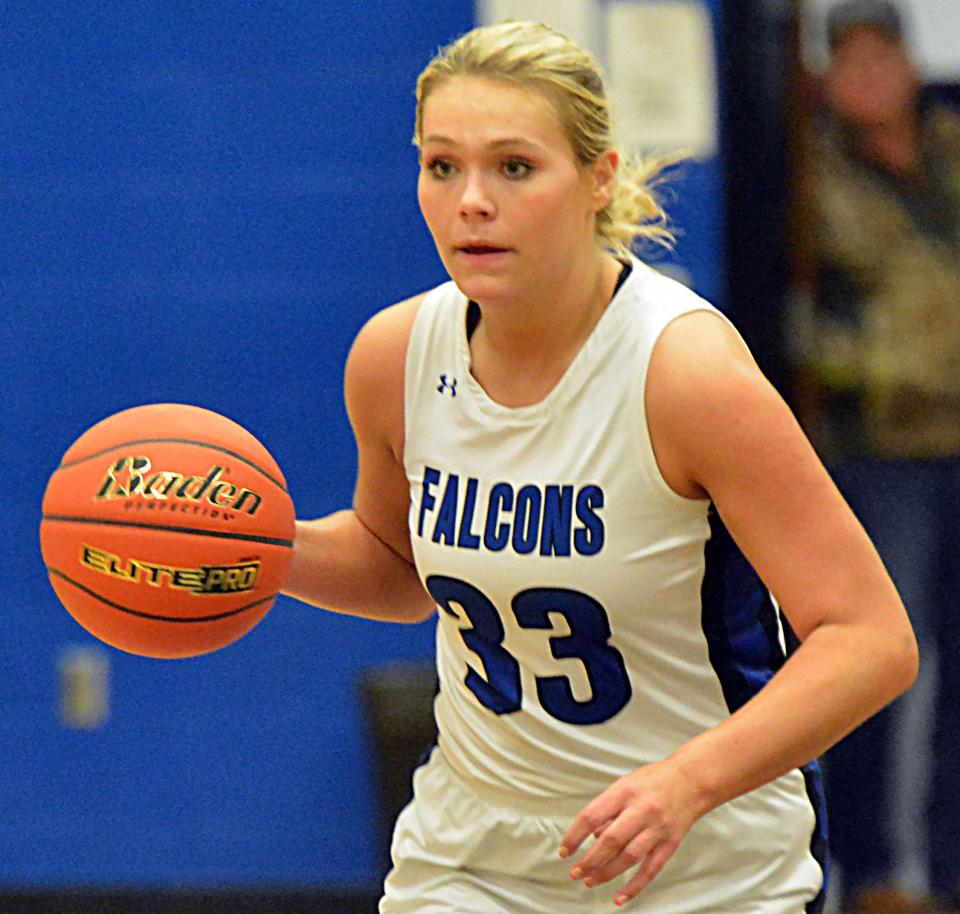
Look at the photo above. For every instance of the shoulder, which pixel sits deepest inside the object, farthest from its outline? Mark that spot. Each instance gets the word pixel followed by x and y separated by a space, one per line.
pixel 701 358
pixel 655 299
pixel 384 337
pixel 705 396
pixel 944 123
pixel 662 291
pixel 675 321
pixel 835 166
pixel 374 375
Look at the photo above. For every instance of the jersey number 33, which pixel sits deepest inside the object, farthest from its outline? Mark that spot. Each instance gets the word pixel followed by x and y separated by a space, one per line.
pixel 588 641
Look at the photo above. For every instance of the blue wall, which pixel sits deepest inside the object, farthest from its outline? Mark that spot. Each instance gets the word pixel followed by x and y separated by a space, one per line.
pixel 202 203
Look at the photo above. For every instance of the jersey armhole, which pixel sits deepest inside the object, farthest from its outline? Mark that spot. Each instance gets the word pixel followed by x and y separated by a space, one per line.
pixel 641 423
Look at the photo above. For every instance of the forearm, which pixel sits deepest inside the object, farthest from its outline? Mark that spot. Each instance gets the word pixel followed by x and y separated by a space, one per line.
pixel 840 676
pixel 339 564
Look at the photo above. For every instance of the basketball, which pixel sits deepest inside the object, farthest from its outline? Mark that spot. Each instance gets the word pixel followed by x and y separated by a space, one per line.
pixel 167 530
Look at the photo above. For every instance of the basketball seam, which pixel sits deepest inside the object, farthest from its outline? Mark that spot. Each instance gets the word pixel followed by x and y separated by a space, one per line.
pixel 145 615
pixel 169 528
pixel 212 447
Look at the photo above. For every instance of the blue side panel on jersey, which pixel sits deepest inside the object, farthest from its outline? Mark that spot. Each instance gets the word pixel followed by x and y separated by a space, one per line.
pixel 819 842
pixel 739 619
pixel 741 623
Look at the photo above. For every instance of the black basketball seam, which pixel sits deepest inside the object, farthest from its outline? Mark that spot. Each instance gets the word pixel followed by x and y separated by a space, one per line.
pixel 169 528
pixel 157 618
pixel 212 447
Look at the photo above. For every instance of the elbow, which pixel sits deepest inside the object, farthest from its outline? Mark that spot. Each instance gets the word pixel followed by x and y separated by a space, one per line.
pixel 418 611
pixel 903 664
pixel 415 619
pixel 913 661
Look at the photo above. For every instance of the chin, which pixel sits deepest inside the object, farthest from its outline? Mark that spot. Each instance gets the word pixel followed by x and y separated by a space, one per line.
pixel 481 288
pixel 487 291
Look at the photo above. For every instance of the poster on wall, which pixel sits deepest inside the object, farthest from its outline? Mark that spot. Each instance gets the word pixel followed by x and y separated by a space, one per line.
pixel 658 56
pixel 648 44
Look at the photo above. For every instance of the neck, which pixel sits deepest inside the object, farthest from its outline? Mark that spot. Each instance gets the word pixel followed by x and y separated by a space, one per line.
pixel 546 319
pixel 894 145
pixel 522 348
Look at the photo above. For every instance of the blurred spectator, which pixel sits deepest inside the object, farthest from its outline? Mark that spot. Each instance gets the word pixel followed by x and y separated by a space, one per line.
pixel 881 354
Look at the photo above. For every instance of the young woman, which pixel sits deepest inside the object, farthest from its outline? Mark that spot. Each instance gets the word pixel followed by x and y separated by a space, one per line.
pixel 575 463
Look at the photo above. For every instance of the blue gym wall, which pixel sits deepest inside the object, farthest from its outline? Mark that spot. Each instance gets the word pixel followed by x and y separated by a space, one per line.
pixel 203 202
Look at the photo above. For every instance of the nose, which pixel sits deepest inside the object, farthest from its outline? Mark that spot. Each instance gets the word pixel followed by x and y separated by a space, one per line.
pixel 476 201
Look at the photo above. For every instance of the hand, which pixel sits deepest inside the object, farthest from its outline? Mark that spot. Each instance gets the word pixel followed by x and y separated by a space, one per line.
pixel 641 818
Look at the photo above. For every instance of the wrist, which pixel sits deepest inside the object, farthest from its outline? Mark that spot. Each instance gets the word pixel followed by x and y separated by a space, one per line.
pixel 701 776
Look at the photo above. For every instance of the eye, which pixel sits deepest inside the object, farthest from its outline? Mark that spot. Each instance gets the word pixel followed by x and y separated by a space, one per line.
pixel 516 169
pixel 439 168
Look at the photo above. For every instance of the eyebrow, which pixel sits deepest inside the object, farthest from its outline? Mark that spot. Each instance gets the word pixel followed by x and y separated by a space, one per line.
pixel 496 144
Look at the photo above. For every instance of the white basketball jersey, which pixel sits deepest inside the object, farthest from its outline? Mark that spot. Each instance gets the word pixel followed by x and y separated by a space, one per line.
pixel 591 620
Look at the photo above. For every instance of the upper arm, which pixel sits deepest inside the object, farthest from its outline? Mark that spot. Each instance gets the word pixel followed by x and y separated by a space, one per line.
pixel 374 392
pixel 720 429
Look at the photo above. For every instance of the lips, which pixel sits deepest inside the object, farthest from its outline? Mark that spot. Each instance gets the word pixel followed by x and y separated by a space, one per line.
pixel 479 248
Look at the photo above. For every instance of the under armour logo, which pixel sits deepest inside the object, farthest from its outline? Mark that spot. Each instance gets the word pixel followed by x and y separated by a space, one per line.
pixel 447 383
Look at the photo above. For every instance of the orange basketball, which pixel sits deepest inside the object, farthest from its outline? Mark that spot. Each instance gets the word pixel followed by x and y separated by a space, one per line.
pixel 167 530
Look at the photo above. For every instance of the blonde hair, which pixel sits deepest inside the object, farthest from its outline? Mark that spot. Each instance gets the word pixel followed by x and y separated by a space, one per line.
pixel 530 52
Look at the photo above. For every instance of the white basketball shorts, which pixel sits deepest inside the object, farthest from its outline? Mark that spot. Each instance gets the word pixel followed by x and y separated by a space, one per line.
pixel 460 848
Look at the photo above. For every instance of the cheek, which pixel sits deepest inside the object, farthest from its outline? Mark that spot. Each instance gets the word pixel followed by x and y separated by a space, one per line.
pixel 427 198
pixel 547 212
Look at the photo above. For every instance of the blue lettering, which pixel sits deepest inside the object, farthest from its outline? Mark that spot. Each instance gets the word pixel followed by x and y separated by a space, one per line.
pixel 526 520
pixel 588 540
pixel 430 478
pixel 557 520
pixel 496 535
pixel 467 539
pixel 445 528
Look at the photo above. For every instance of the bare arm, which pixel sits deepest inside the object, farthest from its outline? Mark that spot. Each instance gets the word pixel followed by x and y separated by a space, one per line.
pixel 741 444
pixel 359 561
pixel 719 427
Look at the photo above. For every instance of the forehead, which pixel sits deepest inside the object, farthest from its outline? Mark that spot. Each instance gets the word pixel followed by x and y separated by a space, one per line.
pixel 478 109
pixel 865 44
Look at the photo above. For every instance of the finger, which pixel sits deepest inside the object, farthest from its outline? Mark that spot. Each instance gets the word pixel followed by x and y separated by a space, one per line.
pixel 632 853
pixel 593 819
pixel 576 872
pixel 598 832
pixel 653 863
pixel 608 846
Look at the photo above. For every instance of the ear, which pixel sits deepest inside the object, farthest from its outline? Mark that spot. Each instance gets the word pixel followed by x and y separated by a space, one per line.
pixel 604 178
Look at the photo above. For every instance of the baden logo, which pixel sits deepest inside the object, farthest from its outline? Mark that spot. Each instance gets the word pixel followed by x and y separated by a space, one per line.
pixel 214 579
pixel 134 477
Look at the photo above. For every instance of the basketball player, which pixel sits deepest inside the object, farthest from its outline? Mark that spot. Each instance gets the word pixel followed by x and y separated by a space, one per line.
pixel 562 453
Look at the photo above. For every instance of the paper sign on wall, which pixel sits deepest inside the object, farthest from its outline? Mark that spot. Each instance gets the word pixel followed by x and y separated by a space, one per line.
pixel 662 75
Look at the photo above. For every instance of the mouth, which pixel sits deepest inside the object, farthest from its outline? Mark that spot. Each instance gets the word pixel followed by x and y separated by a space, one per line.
pixel 481 250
